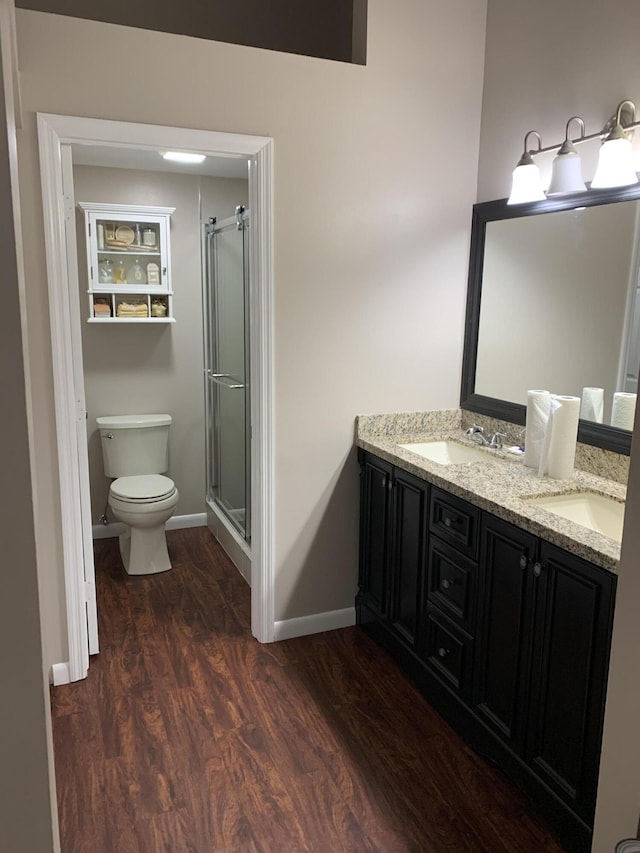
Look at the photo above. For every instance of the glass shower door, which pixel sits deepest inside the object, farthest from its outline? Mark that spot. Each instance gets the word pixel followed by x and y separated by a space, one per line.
pixel 227 370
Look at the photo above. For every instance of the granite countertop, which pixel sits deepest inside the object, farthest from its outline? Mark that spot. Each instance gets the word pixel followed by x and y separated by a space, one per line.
pixel 500 485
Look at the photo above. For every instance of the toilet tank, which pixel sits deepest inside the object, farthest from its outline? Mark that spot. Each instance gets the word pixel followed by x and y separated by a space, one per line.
pixel 134 444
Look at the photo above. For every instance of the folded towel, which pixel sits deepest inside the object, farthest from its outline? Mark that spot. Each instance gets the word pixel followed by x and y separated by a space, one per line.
pixel 128 309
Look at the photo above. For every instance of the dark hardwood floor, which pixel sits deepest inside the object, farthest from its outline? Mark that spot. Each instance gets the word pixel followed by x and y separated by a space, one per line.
pixel 188 735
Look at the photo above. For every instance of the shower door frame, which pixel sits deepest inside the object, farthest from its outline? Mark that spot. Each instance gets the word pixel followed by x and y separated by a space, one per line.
pixel 54 132
pixel 212 427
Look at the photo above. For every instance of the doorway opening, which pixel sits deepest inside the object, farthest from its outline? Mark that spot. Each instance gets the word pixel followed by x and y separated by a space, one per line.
pixel 55 133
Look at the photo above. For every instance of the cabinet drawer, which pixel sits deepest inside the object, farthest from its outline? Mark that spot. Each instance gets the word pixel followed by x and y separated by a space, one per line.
pixel 455 521
pixel 452 584
pixel 448 651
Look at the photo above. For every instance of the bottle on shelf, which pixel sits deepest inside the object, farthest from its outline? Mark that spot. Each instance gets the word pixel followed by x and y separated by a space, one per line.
pixel 136 273
pixel 153 273
pixel 105 271
pixel 120 273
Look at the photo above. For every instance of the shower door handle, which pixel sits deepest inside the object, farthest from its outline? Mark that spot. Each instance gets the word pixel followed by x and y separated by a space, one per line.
pixel 225 379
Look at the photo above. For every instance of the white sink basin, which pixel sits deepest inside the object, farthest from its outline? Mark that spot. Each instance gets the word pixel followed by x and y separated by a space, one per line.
pixel 449 452
pixel 597 512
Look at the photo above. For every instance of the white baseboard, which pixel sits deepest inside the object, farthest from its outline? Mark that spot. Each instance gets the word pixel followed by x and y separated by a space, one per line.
pixel 314 624
pixel 59 674
pixel 179 522
pixel 176 522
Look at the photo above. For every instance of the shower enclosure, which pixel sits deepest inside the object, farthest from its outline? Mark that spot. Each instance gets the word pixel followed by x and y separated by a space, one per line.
pixel 228 424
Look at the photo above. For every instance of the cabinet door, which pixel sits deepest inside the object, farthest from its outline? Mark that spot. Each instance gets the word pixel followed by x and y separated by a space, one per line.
pixel 375 491
pixel 570 664
pixel 407 564
pixel 505 621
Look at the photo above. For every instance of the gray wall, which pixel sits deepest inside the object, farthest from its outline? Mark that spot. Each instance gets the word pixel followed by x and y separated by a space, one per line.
pixel 143 368
pixel 544 63
pixel 371 223
pixel 28 816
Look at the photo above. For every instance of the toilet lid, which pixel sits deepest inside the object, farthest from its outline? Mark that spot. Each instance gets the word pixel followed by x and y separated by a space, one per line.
pixel 145 487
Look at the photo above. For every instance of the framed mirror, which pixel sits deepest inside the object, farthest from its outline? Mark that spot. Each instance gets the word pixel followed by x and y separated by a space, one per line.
pixel 553 302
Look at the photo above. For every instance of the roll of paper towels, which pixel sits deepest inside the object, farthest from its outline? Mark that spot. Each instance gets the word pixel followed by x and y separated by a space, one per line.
pixel 538 403
pixel 592 406
pixel 559 447
pixel 623 410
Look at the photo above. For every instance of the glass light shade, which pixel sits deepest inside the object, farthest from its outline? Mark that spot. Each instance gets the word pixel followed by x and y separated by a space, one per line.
pixel 526 185
pixel 566 175
pixel 615 165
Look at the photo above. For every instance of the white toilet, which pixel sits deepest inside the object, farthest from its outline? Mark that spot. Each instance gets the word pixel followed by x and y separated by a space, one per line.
pixel 135 449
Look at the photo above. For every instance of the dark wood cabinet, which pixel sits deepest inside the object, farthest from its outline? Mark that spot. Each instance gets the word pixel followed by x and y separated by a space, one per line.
pixel 542 656
pixel 570 659
pixel 506 618
pixel 451 579
pixel 408 553
pixel 393 546
pixel 448 651
pixel 507 635
pixel 375 487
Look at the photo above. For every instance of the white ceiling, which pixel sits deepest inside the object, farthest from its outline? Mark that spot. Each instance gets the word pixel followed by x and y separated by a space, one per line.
pixel 151 161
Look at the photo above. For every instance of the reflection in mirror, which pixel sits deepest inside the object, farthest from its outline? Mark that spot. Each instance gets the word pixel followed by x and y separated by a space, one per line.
pixel 554 303
pixel 554 296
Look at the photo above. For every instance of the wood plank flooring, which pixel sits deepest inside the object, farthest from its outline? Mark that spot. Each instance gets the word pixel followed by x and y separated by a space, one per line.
pixel 188 736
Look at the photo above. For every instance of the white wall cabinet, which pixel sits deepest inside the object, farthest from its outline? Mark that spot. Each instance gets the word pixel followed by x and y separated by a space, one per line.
pixel 128 263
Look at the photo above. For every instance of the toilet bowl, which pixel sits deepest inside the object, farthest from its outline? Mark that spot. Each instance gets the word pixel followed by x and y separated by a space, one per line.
pixel 144 504
pixel 135 451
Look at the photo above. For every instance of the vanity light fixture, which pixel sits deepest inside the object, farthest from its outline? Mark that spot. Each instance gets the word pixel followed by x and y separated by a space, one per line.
pixel 527 180
pixel 566 170
pixel 183 157
pixel 615 164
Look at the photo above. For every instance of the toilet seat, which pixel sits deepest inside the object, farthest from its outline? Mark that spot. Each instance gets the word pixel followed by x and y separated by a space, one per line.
pixel 143 488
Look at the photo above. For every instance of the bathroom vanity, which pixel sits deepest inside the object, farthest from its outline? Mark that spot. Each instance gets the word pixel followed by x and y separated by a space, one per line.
pixel 499 608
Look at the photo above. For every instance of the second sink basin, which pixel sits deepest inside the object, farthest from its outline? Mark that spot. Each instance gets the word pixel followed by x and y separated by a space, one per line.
pixel 449 452
pixel 597 512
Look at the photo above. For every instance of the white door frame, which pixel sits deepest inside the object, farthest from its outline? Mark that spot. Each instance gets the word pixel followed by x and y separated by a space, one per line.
pixel 53 132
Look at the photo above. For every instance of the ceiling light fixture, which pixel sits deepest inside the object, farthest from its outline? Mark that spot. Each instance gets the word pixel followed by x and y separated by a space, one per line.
pixel 615 164
pixel 183 157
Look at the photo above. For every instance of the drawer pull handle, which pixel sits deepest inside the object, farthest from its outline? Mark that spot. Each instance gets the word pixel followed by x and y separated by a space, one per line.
pixel 442 652
pixel 537 569
pixel 446 583
pixel 523 562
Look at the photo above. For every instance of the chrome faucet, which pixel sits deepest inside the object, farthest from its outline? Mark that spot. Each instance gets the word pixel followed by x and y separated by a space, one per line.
pixel 475 430
pixel 477 434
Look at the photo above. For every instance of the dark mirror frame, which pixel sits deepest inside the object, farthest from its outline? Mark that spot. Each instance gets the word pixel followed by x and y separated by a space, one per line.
pixel 599 435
